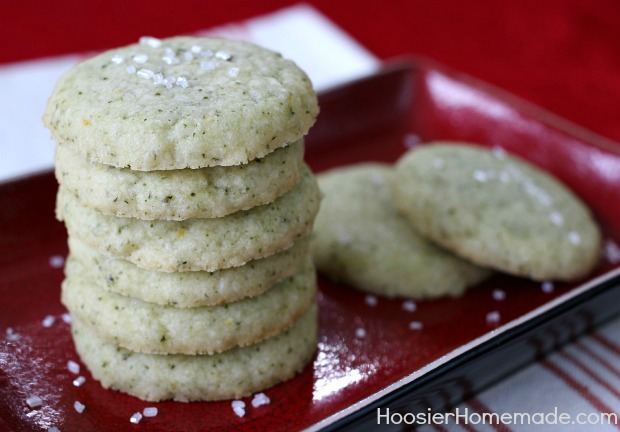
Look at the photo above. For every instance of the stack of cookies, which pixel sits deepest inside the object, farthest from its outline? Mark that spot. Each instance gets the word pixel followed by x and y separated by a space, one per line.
pixel 189 208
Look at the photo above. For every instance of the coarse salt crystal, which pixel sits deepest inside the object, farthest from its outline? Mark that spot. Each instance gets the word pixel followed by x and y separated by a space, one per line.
pixel 493 317
pixel 169 81
pixel 145 73
pixel 150 411
pixel 56 261
pixel 223 55
pixel 135 418
pixel 208 65
pixel 574 237
pixel 360 333
pixel 79 381
pixel 48 321
pixel 410 306
pixel 34 401
pixel 140 58
pixel 612 252
pixel 415 325
pixel 150 41
pixel 547 287
pixel 260 399
pixel 158 78
pixel 182 81
pixel 196 49
pixel 79 407
pixel 233 72
pixel 238 407
pixel 117 59
pixel 371 300
pixel 499 294
pixel 499 152
pixel 66 317
pixel 411 140
pixel 207 53
pixel 73 367
pixel 481 176
pixel 53 429
pixel 188 56
pixel 131 69
pixel 556 218
pixel 11 335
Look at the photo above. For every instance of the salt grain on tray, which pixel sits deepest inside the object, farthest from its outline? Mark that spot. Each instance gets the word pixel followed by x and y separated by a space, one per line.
pixel 260 399
pixel 238 407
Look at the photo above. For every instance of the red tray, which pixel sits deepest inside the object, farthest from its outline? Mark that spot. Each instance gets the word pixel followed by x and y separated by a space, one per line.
pixel 376 118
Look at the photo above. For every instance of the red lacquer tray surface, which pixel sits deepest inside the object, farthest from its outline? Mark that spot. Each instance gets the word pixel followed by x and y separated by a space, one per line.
pixel 371 119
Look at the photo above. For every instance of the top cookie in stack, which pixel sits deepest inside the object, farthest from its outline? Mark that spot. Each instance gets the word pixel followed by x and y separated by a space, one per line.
pixel 180 163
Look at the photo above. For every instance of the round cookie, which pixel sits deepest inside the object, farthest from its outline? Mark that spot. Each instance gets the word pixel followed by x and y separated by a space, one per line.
pixel 197 244
pixel 151 328
pixel 232 374
pixel 497 210
pixel 360 239
pixel 185 289
pixel 183 102
pixel 179 194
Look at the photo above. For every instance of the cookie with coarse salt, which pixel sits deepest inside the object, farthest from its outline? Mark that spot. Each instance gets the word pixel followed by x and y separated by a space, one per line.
pixel 185 289
pixel 197 244
pixel 232 374
pixel 179 194
pixel 361 240
pixel 156 329
pixel 497 210
pixel 182 102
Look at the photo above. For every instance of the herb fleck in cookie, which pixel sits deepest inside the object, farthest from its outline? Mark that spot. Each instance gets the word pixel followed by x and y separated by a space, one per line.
pixel 232 374
pixel 179 194
pixel 497 210
pixel 183 102
pixel 360 239
pixel 197 244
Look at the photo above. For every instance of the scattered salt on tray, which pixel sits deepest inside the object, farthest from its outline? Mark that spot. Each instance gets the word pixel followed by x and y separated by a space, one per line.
pixel 135 418
pixel 48 321
pixel 79 407
pixel 34 401
pixel 410 306
pixel 260 399
pixel 238 407
pixel 150 411
pixel 371 300
pixel 73 367
pixel 415 325
pixel 79 381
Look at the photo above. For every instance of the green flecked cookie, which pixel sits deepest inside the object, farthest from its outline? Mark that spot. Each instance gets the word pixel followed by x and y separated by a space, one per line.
pixel 497 210
pixel 179 194
pixel 361 240
pixel 182 102
pixel 232 374
pixel 156 329
pixel 185 289
pixel 197 244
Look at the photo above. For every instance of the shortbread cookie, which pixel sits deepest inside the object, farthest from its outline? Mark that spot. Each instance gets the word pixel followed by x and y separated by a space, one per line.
pixel 152 328
pixel 185 289
pixel 179 194
pixel 497 210
pixel 197 244
pixel 183 102
pixel 360 239
pixel 232 374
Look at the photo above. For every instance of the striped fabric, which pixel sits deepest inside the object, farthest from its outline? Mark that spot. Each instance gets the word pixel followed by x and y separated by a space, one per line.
pixel 580 380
